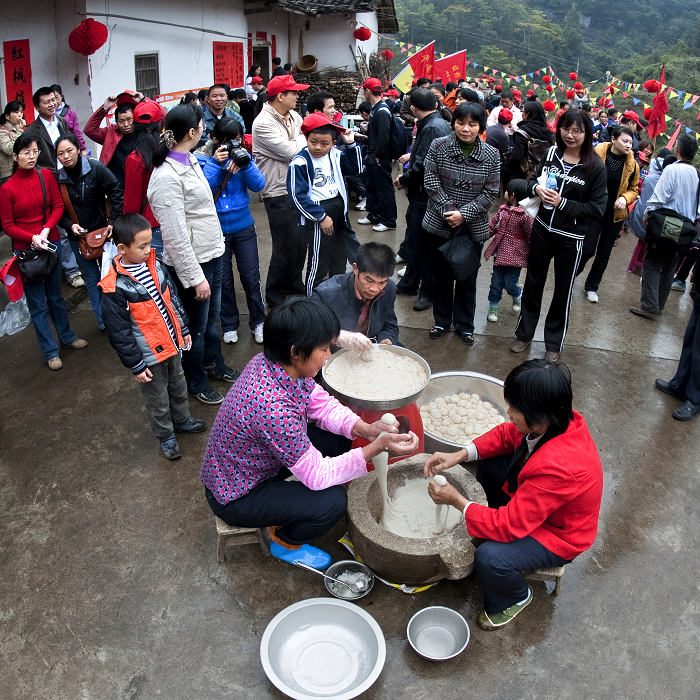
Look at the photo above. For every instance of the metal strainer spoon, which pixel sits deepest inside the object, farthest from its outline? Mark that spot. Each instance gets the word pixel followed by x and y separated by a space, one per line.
pixel 356 587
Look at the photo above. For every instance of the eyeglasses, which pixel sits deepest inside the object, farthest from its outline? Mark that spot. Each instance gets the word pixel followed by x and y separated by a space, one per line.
pixel 573 132
pixel 28 154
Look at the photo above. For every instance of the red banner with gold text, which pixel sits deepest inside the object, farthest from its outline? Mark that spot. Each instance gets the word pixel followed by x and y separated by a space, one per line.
pixel 18 74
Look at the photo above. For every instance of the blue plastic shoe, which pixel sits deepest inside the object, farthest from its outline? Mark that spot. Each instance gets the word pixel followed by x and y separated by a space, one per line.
pixel 306 554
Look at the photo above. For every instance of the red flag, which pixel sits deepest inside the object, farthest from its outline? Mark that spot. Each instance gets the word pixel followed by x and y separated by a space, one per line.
pixel 452 67
pixel 422 62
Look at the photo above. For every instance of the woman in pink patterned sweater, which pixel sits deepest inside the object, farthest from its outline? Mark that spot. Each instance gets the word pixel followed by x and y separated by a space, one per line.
pixel 259 438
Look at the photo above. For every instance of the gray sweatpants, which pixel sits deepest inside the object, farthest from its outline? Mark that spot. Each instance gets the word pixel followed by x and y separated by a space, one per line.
pixel 165 397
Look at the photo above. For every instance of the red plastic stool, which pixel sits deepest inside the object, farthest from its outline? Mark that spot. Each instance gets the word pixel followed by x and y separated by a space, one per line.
pixel 637 261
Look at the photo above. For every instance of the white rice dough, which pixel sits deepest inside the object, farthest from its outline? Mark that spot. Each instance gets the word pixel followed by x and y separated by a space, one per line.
pixel 460 417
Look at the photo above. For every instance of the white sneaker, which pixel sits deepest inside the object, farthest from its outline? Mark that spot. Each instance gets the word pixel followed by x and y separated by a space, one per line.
pixel 592 297
pixel 258 333
pixel 361 205
pixel 398 259
pixel 380 227
pixel 231 337
pixel 401 272
pixel 492 315
pixel 516 304
pixel 364 221
pixel 76 280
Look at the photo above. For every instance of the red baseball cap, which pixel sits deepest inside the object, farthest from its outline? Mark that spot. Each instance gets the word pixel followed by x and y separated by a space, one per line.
pixel 149 112
pixel 492 80
pixel 631 114
pixel 11 278
pixel 283 83
pixel 257 80
pixel 505 116
pixel 317 119
pixel 516 93
pixel 126 98
pixel 499 88
pixel 373 84
pixel 392 93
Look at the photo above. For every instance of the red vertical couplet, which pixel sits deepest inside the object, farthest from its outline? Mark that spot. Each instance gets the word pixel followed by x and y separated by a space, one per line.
pixel 228 63
pixel 18 74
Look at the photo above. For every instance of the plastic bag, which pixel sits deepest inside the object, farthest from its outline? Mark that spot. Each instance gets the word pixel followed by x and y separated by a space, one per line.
pixel 15 317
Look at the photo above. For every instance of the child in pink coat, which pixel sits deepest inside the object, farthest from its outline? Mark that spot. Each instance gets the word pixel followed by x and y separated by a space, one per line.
pixel 511 228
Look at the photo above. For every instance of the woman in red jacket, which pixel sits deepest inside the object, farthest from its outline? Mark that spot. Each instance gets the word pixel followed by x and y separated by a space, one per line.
pixel 29 218
pixel 543 481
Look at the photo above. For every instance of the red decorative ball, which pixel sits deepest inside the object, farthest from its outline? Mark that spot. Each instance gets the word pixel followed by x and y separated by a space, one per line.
pixel 549 106
pixel 578 86
pixel 387 55
pixel 652 85
pixel 549 88
pixel 362 34
pixel 573 76
pixel 570 94
pixel 647 113
pixel 88 36
pixel 546 79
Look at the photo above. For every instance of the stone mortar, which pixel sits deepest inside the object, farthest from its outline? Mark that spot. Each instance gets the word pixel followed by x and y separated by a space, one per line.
pixel 403 559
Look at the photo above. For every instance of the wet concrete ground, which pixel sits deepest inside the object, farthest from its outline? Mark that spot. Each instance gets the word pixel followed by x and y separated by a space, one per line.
pixel 110 586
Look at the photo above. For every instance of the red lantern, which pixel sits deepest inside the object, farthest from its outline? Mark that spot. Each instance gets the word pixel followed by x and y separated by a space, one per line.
pixel 652 85
pixel 611 90
pixel 387 55
pixel 573 76
pixel 88 36
pixel 549 106
pixel 546 79
pixel 362 34
pixel 578 86
pixel 570 94
pixel 549 88
pixel 608 102
pixel 647 113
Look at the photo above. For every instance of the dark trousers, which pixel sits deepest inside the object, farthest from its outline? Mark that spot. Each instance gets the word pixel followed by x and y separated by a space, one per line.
pixel 601 246
pixel 660 263
pixel 284 275
pixel 453 301
pixel 165 397
pixel 416 253
pixel 687 377
pixel 203 317
pixel 243 245
pixel 327 255
pixel 90 271
pixel 504 277
pixel 381 201
pixel 687 261
pixel 499 565
pixel 545 245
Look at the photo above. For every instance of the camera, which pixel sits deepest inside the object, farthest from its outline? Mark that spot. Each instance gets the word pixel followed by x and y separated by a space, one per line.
pixel 237 154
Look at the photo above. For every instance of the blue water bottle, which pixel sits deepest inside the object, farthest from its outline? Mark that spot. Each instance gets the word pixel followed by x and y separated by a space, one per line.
pixel 551 184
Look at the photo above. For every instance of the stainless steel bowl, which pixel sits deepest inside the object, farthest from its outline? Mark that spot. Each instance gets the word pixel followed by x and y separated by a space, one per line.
pixel 348 565
pixel 323 648
pixel 438 633
pixel 453 382
pixel 358 402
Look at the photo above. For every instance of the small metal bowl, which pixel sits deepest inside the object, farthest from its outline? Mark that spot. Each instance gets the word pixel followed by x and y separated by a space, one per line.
pixel 438 633
pixel 454 382
pixel 323 648
pixel 347 565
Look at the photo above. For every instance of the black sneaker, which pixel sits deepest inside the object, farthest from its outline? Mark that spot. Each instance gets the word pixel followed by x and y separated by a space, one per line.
pixel 226 375
pixel 209 396
pixel 191 425
pixel 170 448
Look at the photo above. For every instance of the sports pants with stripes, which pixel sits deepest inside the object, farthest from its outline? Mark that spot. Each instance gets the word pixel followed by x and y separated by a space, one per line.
pixel 326 254
pixel 566 251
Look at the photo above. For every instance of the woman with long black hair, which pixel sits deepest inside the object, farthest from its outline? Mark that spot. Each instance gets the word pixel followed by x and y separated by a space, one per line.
pixel 148 124
pixel 531 129
pixel 11 128
pixel 559 229
pixel 254 72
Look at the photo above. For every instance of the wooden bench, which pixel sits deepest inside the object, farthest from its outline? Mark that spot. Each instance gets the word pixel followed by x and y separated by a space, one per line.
pixel 230 536
pixel 554 574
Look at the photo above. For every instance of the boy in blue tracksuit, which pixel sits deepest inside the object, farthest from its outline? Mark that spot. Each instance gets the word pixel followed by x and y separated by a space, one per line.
pixel 315 184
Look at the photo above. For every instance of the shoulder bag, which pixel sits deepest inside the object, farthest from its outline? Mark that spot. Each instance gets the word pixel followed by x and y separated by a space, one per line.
pixel 90 243
pixel 34 264
pixel 461 254
pixel 666 225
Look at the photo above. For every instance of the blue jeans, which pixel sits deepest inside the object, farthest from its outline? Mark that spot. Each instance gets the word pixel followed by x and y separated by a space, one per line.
pixel 244 246
pixel 90 270
pixel 67 257
pixel 203 317
pixel 504 277
pixel 44 299
pixel 157 241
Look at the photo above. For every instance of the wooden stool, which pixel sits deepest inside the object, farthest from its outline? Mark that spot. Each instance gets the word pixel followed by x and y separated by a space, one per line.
pixel 554 574
pixel 230 535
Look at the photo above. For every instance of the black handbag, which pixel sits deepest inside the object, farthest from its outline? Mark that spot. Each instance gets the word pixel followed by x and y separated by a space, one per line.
pixel 668 226
pixel 36 265
pixel 461 254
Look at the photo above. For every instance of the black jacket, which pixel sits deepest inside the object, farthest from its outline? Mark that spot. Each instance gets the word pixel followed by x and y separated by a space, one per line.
pixel 430 127
pixel 338 294
pixel 535 130
pixel 584 193
pixel 379 132
pixel 88 195
pixel 47 155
